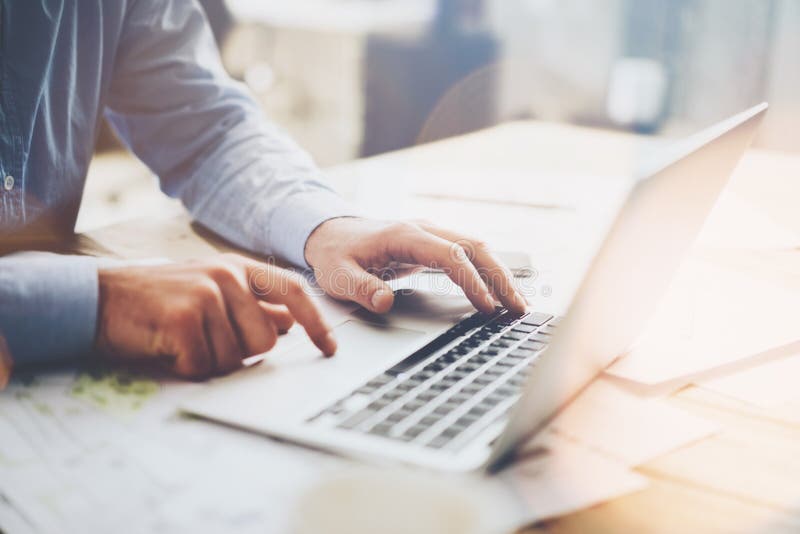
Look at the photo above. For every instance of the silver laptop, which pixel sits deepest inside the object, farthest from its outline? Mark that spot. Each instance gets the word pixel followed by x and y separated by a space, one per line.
pixel 432 386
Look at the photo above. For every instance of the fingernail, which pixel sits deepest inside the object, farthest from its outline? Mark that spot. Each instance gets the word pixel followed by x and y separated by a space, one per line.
pixel 377 297
pixel 520 301
pixel 330 344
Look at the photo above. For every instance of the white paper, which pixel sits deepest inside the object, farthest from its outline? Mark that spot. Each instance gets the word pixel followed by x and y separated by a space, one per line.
pixel 82 454
pixel 623 426
pixel 736 224
pixel 12 520
pixel 712 316
pixel 767 385
pixel 565 479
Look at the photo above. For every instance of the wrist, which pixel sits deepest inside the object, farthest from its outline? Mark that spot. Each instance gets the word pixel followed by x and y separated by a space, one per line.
pixel 324 236
pixel 103 289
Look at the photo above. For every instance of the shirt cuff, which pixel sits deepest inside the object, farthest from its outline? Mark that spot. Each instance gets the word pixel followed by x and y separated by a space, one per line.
pixel 293 222
pixel 50 308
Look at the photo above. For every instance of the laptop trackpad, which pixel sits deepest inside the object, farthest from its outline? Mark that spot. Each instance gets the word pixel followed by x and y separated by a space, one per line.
pixel 361 345
pixel 298 381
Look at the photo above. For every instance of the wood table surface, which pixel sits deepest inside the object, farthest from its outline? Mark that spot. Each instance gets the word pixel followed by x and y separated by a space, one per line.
pixel 746 478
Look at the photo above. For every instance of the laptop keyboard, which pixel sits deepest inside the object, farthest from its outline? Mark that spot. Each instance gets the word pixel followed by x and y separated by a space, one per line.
pixel 453 388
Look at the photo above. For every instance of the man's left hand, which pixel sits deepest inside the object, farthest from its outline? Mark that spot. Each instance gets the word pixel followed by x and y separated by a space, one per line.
pixel 350 256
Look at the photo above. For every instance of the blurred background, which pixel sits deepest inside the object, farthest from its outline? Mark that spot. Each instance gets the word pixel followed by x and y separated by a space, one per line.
pixel 354 78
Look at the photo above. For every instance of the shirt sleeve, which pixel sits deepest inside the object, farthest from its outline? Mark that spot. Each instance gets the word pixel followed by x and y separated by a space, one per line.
pixel 48 306
pixel 206 138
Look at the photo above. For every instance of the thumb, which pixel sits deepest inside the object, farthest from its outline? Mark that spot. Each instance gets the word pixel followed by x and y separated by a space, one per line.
pixel 356 284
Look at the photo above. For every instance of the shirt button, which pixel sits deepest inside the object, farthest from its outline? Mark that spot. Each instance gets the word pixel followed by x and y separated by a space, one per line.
pixel 8 183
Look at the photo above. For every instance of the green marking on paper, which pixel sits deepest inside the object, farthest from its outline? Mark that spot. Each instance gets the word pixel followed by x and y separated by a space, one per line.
pixel 114 389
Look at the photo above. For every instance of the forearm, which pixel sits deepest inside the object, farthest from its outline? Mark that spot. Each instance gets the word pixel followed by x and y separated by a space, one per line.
pixel 48 306
pixel 205 137
pixel 260 191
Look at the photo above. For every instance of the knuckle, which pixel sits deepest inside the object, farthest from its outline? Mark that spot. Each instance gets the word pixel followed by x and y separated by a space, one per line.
pixel 458 253
pixel 231 257
pixel 206 293
pixel 184 319
pixel 261 280
pixel 294 287
pixel 195 368
pixel 480 246
pixel 402 228
pixel 222 272
pixel 270 339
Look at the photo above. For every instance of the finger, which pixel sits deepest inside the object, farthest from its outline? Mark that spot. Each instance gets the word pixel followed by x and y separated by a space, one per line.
pixel 226 350
pixel 193 357
pixel 424 248
pixel 279 315
pixel 350 281
pixel 279 286
pixel 255 331
pixel 496 275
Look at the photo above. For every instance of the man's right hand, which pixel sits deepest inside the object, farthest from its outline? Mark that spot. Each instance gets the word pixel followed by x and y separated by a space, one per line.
pixel 203 318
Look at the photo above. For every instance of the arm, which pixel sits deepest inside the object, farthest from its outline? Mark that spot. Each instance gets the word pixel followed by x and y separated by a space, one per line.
pixel 199 319
pixel 206 138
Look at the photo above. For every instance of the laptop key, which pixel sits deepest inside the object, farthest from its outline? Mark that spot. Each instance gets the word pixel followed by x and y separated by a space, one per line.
pixel 547 330
pixel 438 442
pixel 542 338
pixel 514 336
pixel 517 380
pixel 355 420
pixel 396 417
pixel 494 371
pixel 449 357
pixel 452 431
pixel 460 397
pixel 515 358
pixel 379 381
pixel 480 359
pixel 479 410
pixel 505 391
pixel 472 389
pixel 536 319
pixel 533 345
pixel 427 395
pixel 378 404
pixel 442 410
pixel 483 380
pixel 524 328
pixel 415 431
pixel 392 394
pixel 524 352
pixel 381 429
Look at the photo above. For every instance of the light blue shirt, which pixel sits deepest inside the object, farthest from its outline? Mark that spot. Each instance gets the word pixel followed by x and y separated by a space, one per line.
pixel 151 66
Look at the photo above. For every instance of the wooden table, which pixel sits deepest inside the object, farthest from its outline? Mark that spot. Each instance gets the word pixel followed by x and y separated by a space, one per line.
pixel 744 479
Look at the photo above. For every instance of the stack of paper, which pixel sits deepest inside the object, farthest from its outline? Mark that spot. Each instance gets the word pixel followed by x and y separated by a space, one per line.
pixel 735 298
pixel 588 453
pixel 711 317
pixel 770 385
pixel 89 451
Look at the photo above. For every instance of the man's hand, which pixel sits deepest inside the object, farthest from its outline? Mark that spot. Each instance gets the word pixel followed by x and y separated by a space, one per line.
pixel 350 254
pixel 203 318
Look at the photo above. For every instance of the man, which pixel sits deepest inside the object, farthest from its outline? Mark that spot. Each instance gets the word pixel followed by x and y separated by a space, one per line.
pixel 152 68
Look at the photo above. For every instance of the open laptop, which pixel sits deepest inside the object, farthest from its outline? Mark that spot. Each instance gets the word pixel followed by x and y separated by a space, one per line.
pixel 431 386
